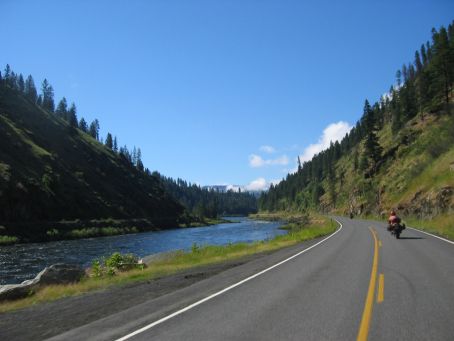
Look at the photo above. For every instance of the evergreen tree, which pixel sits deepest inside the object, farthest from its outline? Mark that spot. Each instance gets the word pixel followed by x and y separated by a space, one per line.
pixel 7 75
pixel 109 142
pixel 72 116
pixel 139 163
pixel 442 63
pixel 373 149
pixel 398 78
pixel 30 89
pixel 115 145
pixel 21 84
pixel 94 129
pixel 47 96
pixel 83 125
pixel 418 63
pixel 423 55
pixel 62 109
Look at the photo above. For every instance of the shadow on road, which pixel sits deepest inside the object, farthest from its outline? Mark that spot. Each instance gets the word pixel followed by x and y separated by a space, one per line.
pixel 412 238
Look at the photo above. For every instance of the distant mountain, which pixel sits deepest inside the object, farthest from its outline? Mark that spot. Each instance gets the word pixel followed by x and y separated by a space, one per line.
pixel 50 170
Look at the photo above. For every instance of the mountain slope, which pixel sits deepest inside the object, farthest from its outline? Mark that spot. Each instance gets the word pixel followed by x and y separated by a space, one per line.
pixel 399 155
pixel 51 171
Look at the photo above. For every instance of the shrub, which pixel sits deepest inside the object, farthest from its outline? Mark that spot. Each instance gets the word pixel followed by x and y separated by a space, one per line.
pixel 116 262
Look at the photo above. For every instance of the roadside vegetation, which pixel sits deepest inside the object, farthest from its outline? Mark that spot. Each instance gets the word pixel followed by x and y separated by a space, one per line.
pixel 123 269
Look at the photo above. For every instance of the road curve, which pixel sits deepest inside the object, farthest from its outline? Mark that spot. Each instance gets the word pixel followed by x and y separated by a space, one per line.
pixel 326 293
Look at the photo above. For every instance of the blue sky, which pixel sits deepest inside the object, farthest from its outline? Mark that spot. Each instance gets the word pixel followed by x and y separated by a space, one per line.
pixel 218 92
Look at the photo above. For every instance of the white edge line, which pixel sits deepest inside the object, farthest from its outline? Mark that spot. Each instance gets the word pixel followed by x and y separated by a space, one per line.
pixel 430 234
pixel 168 317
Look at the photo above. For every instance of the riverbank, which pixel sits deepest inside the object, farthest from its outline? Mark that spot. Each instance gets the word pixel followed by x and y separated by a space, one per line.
pixel 176 262
pixel 32 232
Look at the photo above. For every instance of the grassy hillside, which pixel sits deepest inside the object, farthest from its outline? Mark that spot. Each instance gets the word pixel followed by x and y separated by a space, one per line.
pixel 50 171
pixel 417 176
pixel 399 155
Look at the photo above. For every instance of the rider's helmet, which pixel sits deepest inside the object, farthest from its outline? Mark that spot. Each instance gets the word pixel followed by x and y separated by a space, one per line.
pixel 393 212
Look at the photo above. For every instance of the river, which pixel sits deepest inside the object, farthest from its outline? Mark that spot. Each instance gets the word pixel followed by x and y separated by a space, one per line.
pixel 23 261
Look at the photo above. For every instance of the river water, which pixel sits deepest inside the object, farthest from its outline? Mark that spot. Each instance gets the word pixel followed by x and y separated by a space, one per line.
pixel 24 261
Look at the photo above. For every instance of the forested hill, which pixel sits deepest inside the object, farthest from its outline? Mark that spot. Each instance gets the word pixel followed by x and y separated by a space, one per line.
pixel 53 167
pixel 400 153
pixel 202 202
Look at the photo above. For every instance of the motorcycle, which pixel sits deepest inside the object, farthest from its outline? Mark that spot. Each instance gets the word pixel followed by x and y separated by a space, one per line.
pixel 396 229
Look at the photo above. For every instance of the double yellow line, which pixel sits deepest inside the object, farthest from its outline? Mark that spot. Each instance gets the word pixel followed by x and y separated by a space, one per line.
pixel 367 313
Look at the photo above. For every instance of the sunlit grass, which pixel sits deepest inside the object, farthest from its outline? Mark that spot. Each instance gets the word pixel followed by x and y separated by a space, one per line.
pixel 175 262
pixel 442 225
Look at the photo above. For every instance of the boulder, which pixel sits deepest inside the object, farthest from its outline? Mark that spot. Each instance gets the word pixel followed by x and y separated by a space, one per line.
pixel 54 274
pixel 60 274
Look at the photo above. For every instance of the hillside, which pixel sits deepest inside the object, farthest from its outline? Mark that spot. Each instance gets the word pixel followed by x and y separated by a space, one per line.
pixel 52 171
pixel 399 155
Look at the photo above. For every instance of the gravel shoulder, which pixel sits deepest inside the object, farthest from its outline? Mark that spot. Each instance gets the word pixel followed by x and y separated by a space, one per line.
pixel 49 319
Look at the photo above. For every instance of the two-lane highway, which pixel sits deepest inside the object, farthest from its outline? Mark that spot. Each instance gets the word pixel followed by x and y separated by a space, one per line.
pixel 360 283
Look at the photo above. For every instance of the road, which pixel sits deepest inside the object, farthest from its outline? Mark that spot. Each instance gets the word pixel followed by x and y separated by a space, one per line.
pixel 360 283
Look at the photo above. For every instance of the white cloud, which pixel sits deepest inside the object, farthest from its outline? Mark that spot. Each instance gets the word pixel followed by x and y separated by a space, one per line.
pixel 268 149
pixel 256 161
pixel 334 132
pixel 259 184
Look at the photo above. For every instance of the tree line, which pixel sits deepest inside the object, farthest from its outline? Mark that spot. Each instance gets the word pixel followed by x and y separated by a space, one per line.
pixel 422 86
pixel 203 202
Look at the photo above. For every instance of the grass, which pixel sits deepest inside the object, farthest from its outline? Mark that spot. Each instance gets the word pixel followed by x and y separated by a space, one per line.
pixel 6 240
pixel 442 225
pixel 177 261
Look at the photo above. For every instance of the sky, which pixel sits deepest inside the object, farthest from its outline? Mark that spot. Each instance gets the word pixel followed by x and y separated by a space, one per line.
pixel 218 92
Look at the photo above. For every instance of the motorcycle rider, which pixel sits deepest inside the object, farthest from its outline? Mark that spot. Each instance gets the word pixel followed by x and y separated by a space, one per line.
pixel 392 220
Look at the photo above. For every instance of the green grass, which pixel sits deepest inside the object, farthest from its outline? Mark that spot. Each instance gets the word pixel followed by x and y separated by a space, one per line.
pixel 442 225
pixel 5 240
pixel 175 262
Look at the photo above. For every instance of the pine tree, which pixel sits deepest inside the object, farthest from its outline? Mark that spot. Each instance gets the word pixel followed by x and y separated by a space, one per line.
pixel 115 145
pixel 83 125
pixel 48 96
pixel 30 89
pixel 109 142
pixel 94 129
pixel 72 116
pixel 62 109
pixel 398 78
pixel 39 101
pixel 139 163
pixel 21 84
pixel 442 62
pixel 373 149
pixel 7 75
pixel 423 55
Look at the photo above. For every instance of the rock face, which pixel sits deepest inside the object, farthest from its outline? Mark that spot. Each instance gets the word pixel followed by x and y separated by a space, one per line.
pixel 54 274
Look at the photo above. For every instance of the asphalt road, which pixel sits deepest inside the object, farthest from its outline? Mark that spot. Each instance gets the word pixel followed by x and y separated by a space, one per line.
pixel 361 284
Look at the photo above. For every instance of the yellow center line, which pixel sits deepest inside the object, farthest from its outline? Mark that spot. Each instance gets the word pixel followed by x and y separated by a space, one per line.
pixel 379 243
pixel 381 288
pixel 367 313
